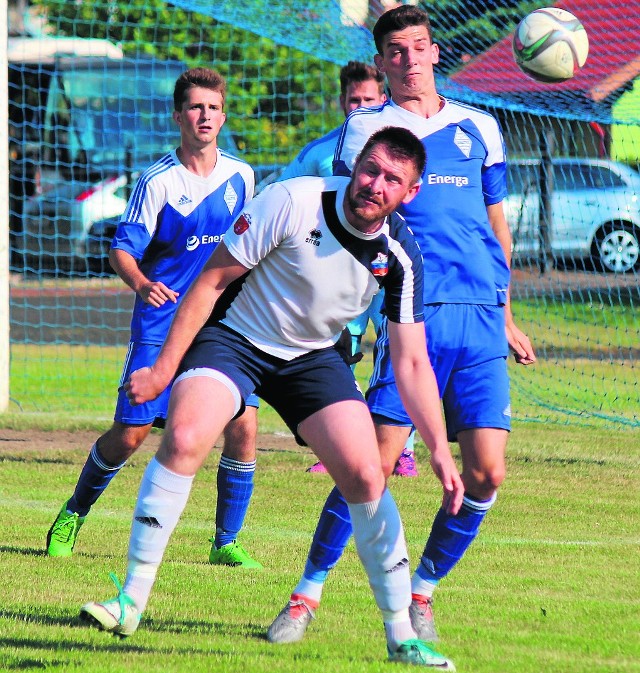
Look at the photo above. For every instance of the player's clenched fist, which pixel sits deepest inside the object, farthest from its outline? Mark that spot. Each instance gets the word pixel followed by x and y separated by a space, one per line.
pixel 143 386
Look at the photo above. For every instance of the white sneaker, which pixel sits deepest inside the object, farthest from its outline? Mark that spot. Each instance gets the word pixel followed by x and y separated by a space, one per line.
pixel 119 615
pixel 421 615
pixel 291 624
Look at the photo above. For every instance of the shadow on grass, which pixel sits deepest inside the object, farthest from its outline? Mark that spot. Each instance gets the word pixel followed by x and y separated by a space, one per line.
pixel 24 551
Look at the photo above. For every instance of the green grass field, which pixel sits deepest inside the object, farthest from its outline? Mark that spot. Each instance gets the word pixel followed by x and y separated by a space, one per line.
pixel 551 585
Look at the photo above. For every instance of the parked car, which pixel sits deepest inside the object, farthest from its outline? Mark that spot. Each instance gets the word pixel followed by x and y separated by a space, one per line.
pixel 95 119
pixel 595 212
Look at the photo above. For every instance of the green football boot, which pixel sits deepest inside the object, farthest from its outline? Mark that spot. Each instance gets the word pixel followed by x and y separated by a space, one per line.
pixel 62 535
pixel 233 555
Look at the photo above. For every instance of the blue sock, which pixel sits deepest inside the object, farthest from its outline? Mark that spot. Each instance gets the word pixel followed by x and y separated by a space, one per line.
pixel 96 475
pixel 235 486
pixel 450 536
pixel 332 534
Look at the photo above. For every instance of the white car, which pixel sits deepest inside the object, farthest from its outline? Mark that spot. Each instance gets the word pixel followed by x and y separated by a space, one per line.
pixel 595 212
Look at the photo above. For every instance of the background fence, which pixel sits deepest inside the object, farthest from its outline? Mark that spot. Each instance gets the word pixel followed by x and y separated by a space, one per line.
pixel 90 104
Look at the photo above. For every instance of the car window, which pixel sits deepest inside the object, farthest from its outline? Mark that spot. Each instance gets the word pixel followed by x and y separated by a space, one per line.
pixel 521 177
pixel 603 178
pixel 573 177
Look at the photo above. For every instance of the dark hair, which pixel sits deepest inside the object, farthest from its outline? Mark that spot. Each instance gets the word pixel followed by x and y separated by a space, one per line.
pixel 357 71
pixel 399 18
pixel 401 144
pixel 206 78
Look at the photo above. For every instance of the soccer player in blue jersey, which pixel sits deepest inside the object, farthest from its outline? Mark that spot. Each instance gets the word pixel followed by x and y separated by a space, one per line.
pixel 311 253
pixel 177 214
pixel 459 223
pixel 361 85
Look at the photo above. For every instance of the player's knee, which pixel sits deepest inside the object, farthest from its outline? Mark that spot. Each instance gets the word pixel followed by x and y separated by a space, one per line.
pixel 364 484
pixel 387 467
pixel 484 484
pixel 121 442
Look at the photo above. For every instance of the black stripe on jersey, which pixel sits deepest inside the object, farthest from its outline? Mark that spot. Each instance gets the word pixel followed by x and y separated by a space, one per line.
pixel 226 299
pixel 365 251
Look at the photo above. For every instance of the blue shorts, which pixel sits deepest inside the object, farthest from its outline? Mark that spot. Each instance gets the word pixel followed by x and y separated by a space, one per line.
pixel 155 412
pixel 296 388
pixel 468 350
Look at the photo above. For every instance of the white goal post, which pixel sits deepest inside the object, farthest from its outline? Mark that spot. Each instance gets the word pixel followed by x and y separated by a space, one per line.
pixel 4 213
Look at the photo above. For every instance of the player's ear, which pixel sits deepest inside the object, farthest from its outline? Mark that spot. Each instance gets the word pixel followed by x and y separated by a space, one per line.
pixel 379 61
pixel 435 54
pixel 176 117
pixel 413 190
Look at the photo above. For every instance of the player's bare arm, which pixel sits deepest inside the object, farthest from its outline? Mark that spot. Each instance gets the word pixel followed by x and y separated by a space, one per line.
pixel 419 392
pixel 518 341
pixel 222 268
pixel 151 292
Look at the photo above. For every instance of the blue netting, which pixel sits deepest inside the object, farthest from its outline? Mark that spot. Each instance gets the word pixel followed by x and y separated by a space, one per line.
pixel 478 72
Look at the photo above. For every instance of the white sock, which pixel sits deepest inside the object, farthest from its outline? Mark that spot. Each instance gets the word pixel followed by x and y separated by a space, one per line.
pixel 409 445
pixel 161 499
pixel 398 632
pixel 421 586
pixel 309 588
pixel 379 538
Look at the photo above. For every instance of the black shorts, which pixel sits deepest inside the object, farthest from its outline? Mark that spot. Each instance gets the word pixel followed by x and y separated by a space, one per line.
pixel 296 388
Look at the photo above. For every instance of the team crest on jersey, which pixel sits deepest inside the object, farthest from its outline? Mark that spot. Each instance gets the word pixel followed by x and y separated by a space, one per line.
pixel 230 197
pixel 380 265
pixel 242 224
pixel 314 237
pixel 462 142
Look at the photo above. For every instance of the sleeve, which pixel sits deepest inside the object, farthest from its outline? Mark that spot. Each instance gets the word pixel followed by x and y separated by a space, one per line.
pixel 494 169
pixel 250 184
pixel 404 284
pixel 315 159
pixel 294 170
pixel 261 227
pixel 138 224
pixel 350 144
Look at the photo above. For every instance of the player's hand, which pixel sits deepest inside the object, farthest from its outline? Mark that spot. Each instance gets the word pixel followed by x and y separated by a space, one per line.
pixel 156 293
pixel 445 469
pixel 520 345
pixel 143 386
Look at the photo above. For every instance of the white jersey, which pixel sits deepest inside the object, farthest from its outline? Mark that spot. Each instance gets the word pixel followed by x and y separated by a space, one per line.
pixel 311 271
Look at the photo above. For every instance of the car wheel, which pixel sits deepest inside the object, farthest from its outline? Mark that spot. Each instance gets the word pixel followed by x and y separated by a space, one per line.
pixel 617 248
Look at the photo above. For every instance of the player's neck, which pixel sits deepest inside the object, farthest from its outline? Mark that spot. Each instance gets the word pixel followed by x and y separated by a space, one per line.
pixel 200 161
pixel 424 106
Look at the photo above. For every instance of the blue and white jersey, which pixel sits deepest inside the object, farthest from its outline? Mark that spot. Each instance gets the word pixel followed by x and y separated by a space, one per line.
pixel 311 271
pixel 316 158
pixel 173 222
pixel 465 172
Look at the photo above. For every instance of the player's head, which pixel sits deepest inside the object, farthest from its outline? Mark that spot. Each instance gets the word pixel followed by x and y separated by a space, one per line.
pixel 205 78
pixel 401 145
pixel 361 85
pixel 399 18
pixel 386 174
pixel 406 52
pixel 198 99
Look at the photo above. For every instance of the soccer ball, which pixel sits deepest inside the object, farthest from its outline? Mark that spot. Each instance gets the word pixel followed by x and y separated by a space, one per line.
pixel 550 45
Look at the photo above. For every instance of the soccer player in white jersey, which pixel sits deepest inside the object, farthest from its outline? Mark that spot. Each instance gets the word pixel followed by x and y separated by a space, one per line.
pixel 178 212
pixel 361 85
pixel 459 223
pixel 304 258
